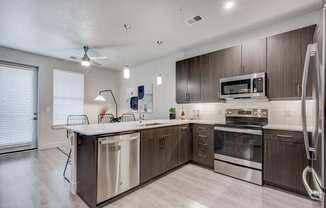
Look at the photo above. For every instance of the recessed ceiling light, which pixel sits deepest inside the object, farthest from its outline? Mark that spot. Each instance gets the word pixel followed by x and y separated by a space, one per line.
pixel 229 5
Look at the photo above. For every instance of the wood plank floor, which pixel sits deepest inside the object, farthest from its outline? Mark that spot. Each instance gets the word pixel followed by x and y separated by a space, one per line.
pixel 34 179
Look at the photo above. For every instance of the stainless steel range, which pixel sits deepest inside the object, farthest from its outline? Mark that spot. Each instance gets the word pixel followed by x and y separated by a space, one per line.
pixel 238 144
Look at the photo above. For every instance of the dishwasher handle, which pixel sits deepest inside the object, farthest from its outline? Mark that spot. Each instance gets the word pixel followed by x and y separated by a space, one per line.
pixel 109 140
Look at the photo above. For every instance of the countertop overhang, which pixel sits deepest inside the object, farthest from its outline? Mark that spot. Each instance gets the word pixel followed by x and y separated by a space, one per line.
pixel 111 128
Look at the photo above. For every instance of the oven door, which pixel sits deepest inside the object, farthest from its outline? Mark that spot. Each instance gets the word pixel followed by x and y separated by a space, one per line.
pixel 238 146
pixel 235 88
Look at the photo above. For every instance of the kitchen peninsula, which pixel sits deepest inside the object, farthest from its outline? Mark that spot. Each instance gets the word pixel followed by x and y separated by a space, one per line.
pixel 109 159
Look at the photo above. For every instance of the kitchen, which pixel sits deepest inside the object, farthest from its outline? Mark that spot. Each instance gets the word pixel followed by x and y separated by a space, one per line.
pixel 248 113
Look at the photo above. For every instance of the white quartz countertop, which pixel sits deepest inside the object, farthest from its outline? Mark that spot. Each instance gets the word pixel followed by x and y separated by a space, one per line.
pixel 286 127
pixel 109 128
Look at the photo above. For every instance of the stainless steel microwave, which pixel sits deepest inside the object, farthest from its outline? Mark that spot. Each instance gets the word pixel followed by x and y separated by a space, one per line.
pixel 244 86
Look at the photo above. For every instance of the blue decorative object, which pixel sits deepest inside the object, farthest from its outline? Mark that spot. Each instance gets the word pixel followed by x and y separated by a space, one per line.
pixel 141 92
pixel 134 103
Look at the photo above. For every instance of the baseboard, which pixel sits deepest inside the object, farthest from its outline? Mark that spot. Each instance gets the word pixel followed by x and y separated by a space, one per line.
pixel 51 145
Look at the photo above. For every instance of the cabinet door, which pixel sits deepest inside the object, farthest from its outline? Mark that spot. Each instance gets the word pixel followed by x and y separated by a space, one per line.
pixel 229 61
pixel 182 75
pixel 209 77
pixel 309 36
pixel 148 156
pixel 194 79
pixel 172 148
pixel 284 68
pixel 203 145
pixel 184 145
pixel 166 150
pixel 253 56
pixel 284 159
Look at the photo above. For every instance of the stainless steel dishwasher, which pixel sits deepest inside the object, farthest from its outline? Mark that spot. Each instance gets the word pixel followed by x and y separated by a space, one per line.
pixel 118 165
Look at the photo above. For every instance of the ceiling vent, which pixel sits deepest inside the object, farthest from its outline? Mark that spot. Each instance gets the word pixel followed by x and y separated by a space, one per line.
pixel 194 20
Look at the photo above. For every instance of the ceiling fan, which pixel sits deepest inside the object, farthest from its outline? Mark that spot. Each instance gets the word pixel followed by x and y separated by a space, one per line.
pixel 86 60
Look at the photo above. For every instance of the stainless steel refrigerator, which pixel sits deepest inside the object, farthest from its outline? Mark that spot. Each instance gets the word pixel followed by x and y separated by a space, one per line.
pixel 314 131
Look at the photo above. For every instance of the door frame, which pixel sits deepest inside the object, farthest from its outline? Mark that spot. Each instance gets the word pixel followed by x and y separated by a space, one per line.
pixel 22 147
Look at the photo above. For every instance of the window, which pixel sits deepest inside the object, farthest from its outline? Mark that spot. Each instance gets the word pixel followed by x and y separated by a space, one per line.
pixel 68 95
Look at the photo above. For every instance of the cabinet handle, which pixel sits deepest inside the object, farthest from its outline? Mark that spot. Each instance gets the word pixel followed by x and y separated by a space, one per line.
pixel 162 143
pixel 265 148
pixel 185 96
pixel 284 136
pixel 299 89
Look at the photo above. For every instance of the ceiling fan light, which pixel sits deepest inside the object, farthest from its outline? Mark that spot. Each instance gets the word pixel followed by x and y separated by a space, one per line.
pixel 85 63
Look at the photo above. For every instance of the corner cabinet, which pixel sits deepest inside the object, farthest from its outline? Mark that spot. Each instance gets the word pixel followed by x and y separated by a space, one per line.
pixel 162 149
pixel 284 159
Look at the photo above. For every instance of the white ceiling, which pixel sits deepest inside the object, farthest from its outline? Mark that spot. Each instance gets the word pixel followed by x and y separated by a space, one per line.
pixel 59 28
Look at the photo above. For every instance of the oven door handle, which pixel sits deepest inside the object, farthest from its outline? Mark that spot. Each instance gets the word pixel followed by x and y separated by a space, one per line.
pixel 238 130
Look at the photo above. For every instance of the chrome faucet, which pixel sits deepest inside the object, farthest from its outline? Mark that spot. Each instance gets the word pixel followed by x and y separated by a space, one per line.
pixel 141 117
pixel 140 113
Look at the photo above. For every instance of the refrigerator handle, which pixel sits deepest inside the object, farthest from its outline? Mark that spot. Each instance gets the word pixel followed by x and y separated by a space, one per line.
pixel 312 50
pixel 313 194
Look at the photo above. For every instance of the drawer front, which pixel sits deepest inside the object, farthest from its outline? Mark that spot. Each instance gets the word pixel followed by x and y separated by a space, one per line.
pixel 284 136
pixel 203 147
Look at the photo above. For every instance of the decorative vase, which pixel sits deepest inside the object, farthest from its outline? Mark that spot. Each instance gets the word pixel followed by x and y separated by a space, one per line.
pixel 172 116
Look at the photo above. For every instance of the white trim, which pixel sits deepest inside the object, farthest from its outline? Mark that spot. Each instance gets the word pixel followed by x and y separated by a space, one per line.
pixel 51 145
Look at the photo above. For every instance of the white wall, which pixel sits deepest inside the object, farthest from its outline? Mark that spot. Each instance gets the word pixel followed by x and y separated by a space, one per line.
pixel 95 79
pixel 281 112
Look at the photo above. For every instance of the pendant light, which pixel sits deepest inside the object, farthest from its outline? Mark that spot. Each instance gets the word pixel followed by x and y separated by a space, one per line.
pixel 159 77
pixel 126 72
pixel 126 69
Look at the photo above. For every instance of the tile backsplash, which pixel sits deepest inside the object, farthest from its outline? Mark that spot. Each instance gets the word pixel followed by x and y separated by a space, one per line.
pixel 279 112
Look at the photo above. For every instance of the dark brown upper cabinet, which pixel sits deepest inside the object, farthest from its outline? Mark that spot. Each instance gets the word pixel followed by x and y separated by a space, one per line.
pixel 229 61
pixel 253 56
pixel 188 80
pixel 194 79
pixel 285 60
pixel 281 56
pixel 210 75
pixel 182 76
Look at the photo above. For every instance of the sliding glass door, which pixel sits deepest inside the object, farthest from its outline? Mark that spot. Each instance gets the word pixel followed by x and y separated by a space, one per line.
pixel 18 107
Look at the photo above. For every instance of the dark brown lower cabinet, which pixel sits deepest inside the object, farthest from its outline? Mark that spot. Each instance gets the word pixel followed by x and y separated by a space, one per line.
pixel 203 145
pixel 284 159
pixel 149 166
pixel 163 149
pixel 166 148
pixel 184 145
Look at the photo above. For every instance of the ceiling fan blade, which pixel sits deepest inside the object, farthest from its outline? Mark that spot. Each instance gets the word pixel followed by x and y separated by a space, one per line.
pixel 98 58
pixel 75 58
pixel 96 63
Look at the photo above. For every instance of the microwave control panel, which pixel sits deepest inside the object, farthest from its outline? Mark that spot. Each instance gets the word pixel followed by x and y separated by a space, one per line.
pixel 258 85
